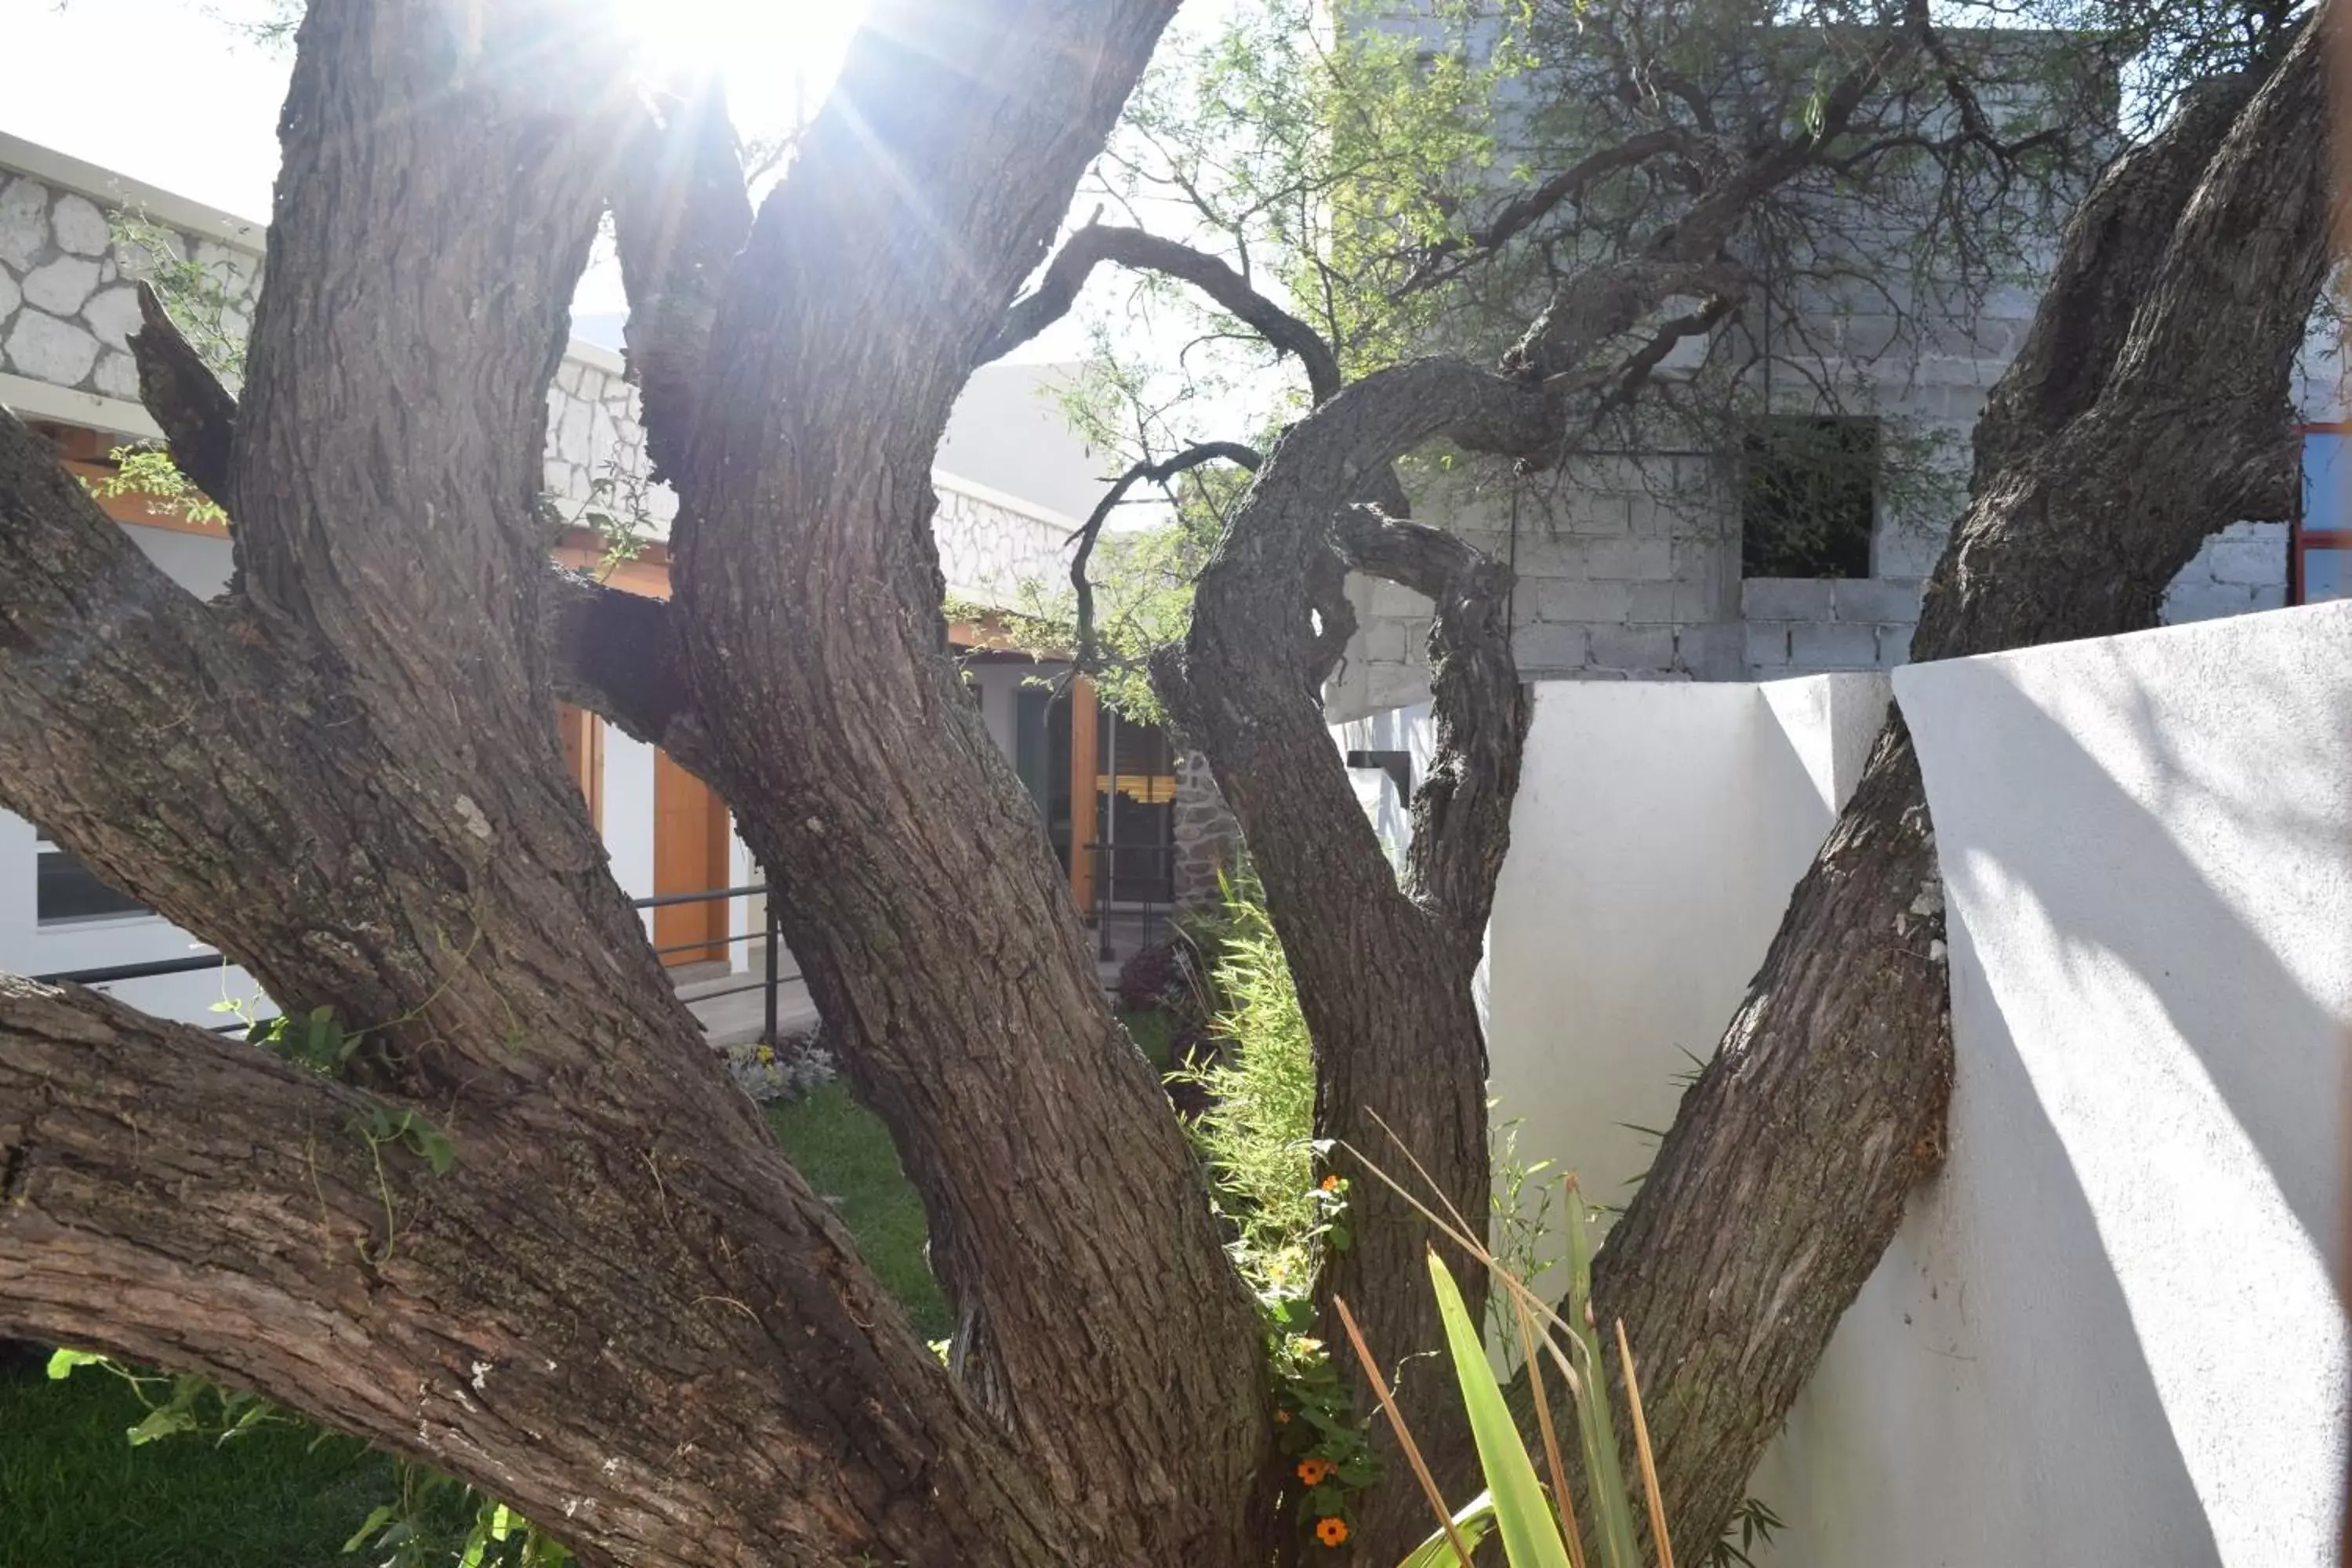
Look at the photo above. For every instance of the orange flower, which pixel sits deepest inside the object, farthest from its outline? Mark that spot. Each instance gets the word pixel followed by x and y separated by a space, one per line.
pixel 1330 1184
pixel 1313 1468
pixel 1331 1531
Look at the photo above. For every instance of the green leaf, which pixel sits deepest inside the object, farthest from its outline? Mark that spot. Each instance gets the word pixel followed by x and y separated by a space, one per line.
pixel 158 1425
pixel 1530 1536
pixel 62 1363
pixel 1471 1521
pixel 378 1517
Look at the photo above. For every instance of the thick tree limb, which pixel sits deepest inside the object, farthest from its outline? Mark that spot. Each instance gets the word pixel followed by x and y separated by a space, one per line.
pixel 197 412
pixel 616 654
pixel 680 215
pixel 1785 1173
pixel 875 279
pixel 1096 243
pixel 111 673
pixel 1462 811
pixel 350 785
pixel 184 1200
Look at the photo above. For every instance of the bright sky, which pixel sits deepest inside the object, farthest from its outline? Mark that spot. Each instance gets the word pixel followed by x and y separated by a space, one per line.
pixel 168 91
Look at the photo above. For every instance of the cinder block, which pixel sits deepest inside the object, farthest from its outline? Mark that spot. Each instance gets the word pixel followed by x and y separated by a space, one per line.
pixel 1390 601
pixel 1894 645
pixel 1716 652
pixel 1767 644
pixel 1877 599
pixel 1651 601
pixel 1574 599
pixel 2247 561
pixel 2200 599
pixel 1629 559
pixel 1546 556
pixel 1787 599
pixel 1395 685
pixel 1596 511
pixel 1384 642
pixel 1544 648
pixel 1828 645
pixel 1633 648
pixel 1908 549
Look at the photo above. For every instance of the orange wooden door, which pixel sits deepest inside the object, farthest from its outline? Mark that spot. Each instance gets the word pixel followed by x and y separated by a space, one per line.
pixel 583 754
pixel 690 835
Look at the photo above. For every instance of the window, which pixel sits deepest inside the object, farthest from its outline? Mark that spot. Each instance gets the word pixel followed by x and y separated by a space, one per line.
pixel 66 889
pixel 1810 497
pixel 2322 548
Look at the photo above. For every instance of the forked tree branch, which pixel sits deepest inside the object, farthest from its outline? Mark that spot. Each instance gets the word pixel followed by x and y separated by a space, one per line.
pixel 197 412
pixel 1090 533
pixel 680 214
pixel 1462 811
pixel 1090 247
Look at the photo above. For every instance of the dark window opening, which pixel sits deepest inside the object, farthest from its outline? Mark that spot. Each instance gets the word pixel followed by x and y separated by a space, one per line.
pixel 66 889
pixel 1810 498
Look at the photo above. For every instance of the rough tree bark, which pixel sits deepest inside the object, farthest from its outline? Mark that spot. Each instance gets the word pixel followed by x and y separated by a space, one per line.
pixel 621 1310
pixel 2147 408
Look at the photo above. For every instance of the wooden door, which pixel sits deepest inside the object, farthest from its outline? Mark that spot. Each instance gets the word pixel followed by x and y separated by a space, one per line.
pixel 690 840
pixel 583 754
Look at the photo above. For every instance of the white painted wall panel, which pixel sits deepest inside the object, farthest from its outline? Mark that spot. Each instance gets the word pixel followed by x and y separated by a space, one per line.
pixel 2107 1334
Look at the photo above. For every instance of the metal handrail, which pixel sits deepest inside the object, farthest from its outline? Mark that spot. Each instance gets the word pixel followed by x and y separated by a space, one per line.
pixel 1153 915
pixel 111 973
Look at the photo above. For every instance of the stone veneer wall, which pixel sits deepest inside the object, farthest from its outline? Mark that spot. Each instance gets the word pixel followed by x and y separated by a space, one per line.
pixel 1208 839
pixel 68 305
pixel 67 299
pixel 592 433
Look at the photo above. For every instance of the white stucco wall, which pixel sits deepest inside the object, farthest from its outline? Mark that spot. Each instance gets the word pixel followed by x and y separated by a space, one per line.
pixel 2105 1335
pixel 1658 830
pixel 629 816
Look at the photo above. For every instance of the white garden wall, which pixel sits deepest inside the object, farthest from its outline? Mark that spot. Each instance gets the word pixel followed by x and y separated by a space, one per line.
pixel 2105 1335
pixel 1659 828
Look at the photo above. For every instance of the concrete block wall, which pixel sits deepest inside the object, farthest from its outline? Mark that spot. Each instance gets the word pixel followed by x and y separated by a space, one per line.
pixel 2242 568
pixel 1813 625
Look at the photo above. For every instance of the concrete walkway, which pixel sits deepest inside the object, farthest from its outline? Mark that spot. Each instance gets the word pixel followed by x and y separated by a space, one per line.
pixel 734 1006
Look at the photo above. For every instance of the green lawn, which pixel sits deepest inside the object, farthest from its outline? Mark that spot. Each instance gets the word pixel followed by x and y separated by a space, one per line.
pixel 844 1152
pixel 75 1494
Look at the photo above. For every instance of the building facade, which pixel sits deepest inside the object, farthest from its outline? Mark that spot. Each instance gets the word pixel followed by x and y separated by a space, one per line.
pixel 75 239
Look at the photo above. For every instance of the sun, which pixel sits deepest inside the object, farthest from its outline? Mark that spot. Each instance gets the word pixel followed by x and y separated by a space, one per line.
pixel 777 58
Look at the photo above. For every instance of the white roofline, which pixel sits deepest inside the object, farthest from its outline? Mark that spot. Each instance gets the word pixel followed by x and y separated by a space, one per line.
pixel 43 401
pixel 1028 508
pixel 53 168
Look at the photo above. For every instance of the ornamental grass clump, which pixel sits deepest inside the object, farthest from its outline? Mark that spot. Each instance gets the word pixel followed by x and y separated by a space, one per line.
pixel 1537 1524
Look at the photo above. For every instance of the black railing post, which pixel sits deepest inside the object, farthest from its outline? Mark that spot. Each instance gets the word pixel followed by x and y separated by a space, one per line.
pixel 767 909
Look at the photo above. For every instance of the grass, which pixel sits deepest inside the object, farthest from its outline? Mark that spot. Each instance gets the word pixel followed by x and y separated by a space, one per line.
pixel 75 1494
pixel 844 1152
pixel 1155 1036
